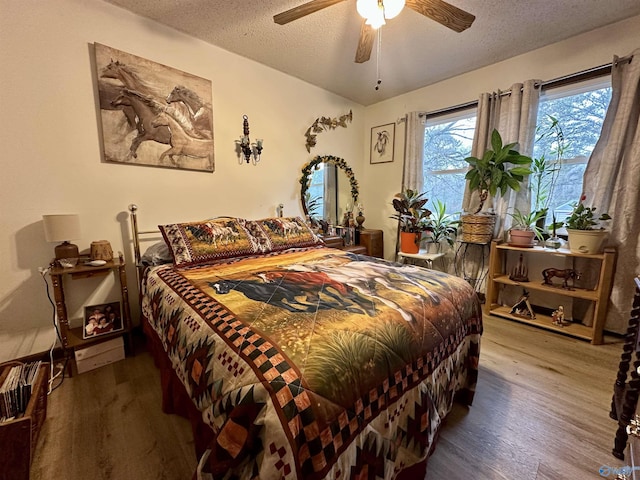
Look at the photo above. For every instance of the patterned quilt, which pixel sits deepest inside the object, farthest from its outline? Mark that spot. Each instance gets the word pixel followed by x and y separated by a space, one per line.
pixel 316 363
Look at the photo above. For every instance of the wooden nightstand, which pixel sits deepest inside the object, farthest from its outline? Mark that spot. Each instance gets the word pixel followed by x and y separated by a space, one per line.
pixel 72 338
pixel 372 241
pixel 334 241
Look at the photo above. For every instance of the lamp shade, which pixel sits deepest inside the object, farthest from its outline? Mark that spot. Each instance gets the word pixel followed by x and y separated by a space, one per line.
pixel 61 228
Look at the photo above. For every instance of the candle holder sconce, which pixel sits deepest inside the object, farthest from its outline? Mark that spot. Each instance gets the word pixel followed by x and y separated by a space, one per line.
pixel 247 150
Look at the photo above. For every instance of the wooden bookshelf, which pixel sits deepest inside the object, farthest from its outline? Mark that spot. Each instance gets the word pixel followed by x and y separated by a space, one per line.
pixel 599 295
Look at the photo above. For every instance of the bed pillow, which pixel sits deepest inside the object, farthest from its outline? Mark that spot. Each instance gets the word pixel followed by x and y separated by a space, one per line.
pixel 157 254
pixel 203 242
pixel 280 233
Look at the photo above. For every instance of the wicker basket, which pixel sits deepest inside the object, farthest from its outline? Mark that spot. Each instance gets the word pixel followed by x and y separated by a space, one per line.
pixel 477 228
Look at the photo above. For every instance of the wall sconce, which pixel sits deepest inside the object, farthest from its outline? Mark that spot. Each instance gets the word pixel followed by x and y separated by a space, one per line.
pixel 250 151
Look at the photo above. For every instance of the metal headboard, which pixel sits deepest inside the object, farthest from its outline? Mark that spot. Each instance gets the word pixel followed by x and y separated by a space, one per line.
pixel 133 216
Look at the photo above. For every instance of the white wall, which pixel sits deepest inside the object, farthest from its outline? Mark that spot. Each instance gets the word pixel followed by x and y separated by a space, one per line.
pixel 51 156
pixel 576 54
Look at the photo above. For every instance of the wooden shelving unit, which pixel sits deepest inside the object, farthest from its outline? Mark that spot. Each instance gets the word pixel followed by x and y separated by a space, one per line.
pixel 499 277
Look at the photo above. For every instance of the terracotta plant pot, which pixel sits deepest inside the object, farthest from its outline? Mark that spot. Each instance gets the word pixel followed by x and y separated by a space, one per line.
pixel 408 242
pixel 521 238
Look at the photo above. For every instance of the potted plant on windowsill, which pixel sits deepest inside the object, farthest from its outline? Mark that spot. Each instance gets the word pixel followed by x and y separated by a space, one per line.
pixel 413 217
pixel 492 175
pixel 546 168
pixel 442 228
pixel 524 228
pixel 585 230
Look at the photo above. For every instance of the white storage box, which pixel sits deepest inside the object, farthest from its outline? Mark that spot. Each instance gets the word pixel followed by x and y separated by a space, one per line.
pixel 98 355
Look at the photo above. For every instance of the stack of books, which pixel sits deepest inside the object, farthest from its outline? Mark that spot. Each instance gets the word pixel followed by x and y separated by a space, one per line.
pixel 15 391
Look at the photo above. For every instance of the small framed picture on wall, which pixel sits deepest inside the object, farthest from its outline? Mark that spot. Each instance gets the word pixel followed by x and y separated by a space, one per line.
pixel 382 142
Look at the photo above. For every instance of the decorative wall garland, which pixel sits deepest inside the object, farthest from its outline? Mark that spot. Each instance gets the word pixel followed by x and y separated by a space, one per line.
pixel 325 123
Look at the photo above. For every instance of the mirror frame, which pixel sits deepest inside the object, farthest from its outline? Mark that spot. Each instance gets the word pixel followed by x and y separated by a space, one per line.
pixel 309 167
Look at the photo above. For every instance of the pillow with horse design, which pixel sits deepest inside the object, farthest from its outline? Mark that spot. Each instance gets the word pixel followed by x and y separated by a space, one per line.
pixel 281 233
pixel 202 242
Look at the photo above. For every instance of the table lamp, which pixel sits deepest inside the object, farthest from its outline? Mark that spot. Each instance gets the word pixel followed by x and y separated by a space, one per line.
pixel 62 228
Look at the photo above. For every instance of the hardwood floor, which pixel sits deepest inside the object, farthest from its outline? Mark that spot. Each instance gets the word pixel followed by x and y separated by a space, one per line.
pixel 541 411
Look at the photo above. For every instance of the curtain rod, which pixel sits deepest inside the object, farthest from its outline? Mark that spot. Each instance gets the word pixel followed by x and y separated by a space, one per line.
pixel 588 74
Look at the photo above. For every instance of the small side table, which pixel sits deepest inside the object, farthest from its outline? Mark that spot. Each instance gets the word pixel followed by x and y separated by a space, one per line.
pixel 422 255
pixel 72 337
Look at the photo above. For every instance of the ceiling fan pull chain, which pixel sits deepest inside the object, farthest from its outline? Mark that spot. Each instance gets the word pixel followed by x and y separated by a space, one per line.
pixel 378 49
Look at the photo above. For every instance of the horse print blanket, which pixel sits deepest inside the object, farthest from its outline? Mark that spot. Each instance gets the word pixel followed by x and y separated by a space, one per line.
pixel 316 363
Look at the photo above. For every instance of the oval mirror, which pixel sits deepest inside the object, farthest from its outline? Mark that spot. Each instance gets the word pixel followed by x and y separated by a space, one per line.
pixel 328 189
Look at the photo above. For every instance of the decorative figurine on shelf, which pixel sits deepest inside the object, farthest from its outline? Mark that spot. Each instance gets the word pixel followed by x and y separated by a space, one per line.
pixel 558 316
pixel 566 275
pixel 360 216
pixel 519 272
pixel 523 308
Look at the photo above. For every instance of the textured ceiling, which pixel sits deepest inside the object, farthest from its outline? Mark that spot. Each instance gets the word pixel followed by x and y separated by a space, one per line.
pixel 414 50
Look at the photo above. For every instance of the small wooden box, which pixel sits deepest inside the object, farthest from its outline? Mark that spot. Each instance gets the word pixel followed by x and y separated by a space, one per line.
pixel 372 241
pixel 100 354
pixel 19 437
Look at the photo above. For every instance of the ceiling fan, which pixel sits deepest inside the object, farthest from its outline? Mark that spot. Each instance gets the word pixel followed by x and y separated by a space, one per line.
pixel 438 10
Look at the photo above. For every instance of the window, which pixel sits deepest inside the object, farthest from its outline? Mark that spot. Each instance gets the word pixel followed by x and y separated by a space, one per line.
pixel 569 123
pixel 447 142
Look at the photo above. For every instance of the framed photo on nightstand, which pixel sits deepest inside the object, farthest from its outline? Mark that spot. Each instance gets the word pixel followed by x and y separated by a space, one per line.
pixel 102 319
pixel 382 143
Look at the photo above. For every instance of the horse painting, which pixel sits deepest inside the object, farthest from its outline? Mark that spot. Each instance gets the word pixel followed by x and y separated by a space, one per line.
pixel 200 113
pixel 145 106
pixel 144 118
pixel 181 143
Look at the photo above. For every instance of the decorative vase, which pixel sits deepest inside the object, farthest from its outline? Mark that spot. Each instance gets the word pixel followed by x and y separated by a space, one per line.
pixel 586 241
pixel 521 238
pixel 408 243
pixel 553 242
pixel 360 219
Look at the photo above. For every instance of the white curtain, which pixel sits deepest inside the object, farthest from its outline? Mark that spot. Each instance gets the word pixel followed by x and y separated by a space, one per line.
pixel 612 183
pixel 412 174
pixel 514 115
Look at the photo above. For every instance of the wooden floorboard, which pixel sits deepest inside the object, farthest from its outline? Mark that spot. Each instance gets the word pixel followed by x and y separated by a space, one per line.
pixel 541 412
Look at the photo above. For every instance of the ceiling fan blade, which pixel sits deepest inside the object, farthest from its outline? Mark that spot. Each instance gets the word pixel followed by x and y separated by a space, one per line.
pixel 365 43
pixel 443 13
pixel 303 10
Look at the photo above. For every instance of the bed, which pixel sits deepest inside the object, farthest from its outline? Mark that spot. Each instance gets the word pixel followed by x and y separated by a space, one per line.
pixel 297 361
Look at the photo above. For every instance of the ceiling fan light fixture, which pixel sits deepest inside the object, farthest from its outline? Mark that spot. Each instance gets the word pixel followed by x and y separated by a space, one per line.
pixel 392 8
pixel 376 11
pixel 376 20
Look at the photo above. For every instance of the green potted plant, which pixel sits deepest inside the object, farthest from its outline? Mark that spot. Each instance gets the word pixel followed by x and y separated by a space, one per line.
pixel 413 216
pixel 442 227
pixel 493 174
pixel 546 168
pixel 584 228
pixel 525 227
